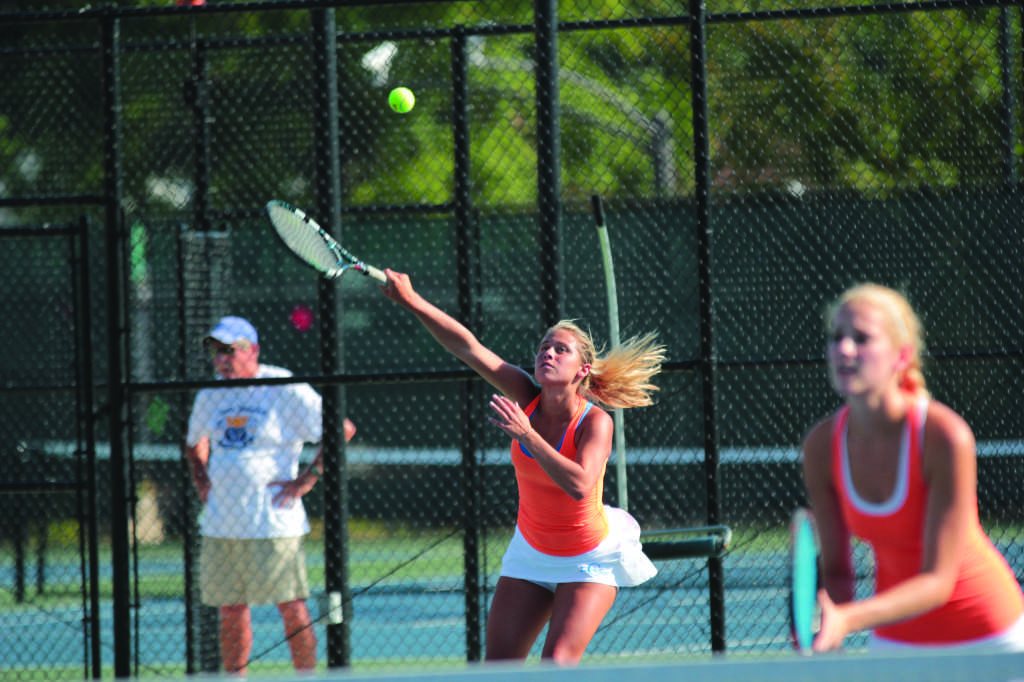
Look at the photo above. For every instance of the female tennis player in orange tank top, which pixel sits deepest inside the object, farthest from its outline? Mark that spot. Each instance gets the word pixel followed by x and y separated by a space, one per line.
pixel 570 553
pixel 898 470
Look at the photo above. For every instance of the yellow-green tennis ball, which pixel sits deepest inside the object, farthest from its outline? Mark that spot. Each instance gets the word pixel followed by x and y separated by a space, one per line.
pixel 402 100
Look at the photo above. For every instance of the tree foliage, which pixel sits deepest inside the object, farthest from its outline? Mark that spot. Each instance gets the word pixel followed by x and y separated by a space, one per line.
pixel 864 103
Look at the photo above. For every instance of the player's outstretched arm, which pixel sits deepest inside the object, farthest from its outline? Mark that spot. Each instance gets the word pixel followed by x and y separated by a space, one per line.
pixel 459 341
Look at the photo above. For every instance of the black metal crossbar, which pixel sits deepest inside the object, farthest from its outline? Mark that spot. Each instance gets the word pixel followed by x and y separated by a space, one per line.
pixel 713 543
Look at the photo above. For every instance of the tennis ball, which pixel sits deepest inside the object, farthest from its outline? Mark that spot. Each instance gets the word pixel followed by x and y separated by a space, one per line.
pixel 402 100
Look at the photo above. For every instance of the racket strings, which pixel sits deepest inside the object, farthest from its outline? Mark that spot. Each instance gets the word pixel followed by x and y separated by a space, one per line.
pixel 307 240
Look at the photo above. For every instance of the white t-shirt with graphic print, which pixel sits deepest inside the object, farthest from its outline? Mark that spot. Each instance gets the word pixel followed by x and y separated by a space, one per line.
pixel 256 435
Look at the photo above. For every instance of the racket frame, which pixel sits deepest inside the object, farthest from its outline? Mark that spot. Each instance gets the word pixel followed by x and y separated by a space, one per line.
pixel 803 571
pixel 345 260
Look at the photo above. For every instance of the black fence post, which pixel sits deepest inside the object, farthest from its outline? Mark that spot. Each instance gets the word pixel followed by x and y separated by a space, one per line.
pixel 197 100
pixel 466 279
pixel 549 154
pixel 116 355
pixel 1008 77
pixel 708 349
pixel 335 491
pixel 203 620
pixel 88 499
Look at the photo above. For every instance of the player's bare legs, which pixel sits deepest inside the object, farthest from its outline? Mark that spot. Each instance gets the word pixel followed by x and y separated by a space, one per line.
pixel 578 611
pixel 519 611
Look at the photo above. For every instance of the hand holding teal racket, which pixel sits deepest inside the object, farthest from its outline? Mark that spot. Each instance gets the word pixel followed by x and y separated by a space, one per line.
pixel 803 595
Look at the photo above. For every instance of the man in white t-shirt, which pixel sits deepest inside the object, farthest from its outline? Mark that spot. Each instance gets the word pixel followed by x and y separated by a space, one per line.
pixel 243 448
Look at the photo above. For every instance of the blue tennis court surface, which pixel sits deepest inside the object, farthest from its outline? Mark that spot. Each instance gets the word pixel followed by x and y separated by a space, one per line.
pixel 932 667
pixel 409 623
pixel 387 625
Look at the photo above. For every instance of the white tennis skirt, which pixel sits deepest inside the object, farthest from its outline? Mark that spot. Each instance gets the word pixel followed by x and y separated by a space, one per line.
pixel 618 561
pixel 1009 640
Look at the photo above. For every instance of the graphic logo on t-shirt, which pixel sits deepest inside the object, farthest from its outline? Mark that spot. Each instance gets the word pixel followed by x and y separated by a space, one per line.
pixel 235 434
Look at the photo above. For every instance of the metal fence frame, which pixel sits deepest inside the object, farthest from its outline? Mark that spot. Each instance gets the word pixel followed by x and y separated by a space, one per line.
pixel 119 388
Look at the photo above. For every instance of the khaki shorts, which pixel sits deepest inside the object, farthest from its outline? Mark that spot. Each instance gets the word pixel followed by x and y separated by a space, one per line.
pixel 259 571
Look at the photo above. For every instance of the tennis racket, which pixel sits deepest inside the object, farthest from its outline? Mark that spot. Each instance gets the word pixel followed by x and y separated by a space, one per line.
pixel 803 580
pixel 308 241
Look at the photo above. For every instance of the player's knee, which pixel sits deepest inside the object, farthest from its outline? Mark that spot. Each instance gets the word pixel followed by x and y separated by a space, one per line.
pixel 565 655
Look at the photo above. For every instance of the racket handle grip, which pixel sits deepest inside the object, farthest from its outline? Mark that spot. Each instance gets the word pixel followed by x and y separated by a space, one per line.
pixel 376 274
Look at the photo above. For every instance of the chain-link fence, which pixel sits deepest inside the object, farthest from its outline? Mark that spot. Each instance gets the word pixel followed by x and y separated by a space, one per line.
pixel 753 161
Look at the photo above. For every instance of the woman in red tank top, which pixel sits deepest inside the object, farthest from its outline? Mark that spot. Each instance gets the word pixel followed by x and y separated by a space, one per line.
pixel 570 553
pixel 897 470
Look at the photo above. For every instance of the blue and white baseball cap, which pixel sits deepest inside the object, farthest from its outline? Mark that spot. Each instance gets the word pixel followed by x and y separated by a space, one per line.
pixel 231 330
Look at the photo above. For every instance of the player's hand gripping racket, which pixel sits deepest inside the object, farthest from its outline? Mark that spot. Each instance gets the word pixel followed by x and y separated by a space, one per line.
pixel 803 580
pixel 313 246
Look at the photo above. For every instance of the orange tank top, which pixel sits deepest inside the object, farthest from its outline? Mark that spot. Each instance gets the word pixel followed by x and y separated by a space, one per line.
pixel 986 599
pixel 549 518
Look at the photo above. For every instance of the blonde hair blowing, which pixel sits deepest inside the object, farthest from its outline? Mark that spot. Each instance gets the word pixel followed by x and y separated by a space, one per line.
pixel 622 376
pixel 903 323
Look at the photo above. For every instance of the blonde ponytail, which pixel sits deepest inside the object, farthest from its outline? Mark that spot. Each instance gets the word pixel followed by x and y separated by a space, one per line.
pixel 622 376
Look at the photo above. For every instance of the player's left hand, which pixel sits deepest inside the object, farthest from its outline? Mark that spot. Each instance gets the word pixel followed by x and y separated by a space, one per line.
pixel 509 417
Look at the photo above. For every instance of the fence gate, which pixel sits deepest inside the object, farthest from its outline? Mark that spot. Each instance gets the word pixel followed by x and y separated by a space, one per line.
pixel 48 495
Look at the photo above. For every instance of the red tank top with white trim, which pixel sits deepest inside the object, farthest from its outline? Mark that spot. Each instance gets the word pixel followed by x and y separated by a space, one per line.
pixel 549 518
pixel 986 599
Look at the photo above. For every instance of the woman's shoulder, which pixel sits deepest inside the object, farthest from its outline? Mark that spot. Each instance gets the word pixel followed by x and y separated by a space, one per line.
pixel 816 449
pixel 821 432
pixel 594 416
pixel 945 426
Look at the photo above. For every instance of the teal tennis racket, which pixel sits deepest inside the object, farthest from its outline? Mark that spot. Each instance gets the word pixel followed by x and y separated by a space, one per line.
pixel 803 580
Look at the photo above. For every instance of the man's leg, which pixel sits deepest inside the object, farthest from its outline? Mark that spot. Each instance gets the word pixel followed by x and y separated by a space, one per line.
pixel 299 631
pixel 235 638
